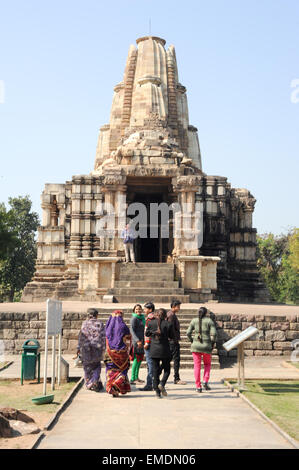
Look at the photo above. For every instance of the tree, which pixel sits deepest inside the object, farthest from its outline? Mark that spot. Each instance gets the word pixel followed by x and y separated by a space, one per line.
pixel 8 238
pixel 278 262
pixel 17 268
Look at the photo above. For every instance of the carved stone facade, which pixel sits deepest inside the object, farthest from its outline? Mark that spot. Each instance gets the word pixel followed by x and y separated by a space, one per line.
pixel 148 153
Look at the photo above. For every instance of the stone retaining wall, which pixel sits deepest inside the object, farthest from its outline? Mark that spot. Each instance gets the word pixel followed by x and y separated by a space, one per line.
pixel 273 339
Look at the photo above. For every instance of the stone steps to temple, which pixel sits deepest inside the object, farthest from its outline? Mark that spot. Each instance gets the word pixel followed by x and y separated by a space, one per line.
pixel 149 298
pixel 149 283
pixel 147 291
pixel 144 282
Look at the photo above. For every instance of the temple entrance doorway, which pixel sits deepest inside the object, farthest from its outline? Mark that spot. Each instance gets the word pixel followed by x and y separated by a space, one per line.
pixel 152 246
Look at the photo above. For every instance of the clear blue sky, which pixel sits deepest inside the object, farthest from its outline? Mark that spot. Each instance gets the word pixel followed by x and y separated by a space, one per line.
pixel 59 61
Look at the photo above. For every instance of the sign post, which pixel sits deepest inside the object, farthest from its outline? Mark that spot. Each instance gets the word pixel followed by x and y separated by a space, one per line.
pixel 238 341
pixel 53 328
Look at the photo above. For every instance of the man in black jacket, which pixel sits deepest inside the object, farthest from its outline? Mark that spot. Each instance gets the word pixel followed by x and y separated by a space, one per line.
pixel 174 344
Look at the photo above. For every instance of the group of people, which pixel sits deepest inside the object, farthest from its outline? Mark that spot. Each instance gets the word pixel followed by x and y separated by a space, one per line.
pixel 153 334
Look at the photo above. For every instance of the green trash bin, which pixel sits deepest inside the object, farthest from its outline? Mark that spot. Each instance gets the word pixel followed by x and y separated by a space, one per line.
pixel 30 357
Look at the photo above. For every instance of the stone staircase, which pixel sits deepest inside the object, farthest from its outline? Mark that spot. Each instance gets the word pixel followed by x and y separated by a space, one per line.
pixel 146 282
pixel 185 316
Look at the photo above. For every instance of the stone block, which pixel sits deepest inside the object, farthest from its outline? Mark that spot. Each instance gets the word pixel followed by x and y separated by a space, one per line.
pixel 28 334
pixel 248 352
pixel 294 326
pixel 32 316
pixel 71 334
pixel 6 316
pixel 9 334
pixel 290 335
pixel 246 324
pixel 20 325
pixel 223 317
pixel 9 345
pixel 237 325
pixel 283 326
pixel 273 318
pixel 259 317
pixel 263 325
pixel 6 324
pixel 70 316
pixel 275 335
pixel 37 324
pixel 42 316
pixel 260 352
pixel 283 345
pixel 243 317
pixel 258 345
pixel 77 324
pixel 19 316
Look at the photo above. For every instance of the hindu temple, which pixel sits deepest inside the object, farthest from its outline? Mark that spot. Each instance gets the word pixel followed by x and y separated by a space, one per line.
pixel 148 153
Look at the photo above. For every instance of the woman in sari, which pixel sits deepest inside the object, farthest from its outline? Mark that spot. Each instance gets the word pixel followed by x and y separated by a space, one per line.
pixel 91 346
pixel 117 355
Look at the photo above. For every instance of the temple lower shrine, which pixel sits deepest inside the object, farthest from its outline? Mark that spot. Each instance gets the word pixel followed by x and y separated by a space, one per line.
pixel 147 155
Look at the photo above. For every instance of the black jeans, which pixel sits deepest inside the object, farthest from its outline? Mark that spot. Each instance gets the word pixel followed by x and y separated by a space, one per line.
pixel 175 356
pixel 157 369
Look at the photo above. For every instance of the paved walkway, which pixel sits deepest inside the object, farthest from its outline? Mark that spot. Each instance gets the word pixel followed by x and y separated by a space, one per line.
pixel 185 419
pixel 221 307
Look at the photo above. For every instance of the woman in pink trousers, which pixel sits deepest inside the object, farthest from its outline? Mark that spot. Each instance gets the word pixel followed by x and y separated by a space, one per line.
pixel 202 334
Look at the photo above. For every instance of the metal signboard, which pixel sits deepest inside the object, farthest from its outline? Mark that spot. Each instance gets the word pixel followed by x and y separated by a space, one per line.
pixel 54 317
pixel 236 340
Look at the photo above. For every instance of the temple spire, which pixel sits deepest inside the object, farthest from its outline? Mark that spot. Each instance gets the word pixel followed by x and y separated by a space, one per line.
pixel 150 90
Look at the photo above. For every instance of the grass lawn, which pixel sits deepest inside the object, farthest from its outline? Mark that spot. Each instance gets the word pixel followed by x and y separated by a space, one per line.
pixel 278 400
pixel 15 395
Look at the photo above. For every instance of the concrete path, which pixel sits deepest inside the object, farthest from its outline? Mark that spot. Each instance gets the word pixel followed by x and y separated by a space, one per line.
pixel 185 419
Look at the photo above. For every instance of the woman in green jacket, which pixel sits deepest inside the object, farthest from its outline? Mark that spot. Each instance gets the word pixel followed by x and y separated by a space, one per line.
pixel 203 339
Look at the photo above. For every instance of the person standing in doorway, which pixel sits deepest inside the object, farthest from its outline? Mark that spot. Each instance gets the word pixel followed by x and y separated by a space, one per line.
pixel 149 310
pixel 137 325
pixel 175 342
pixel 128 239
pixel 160 331
pixel 202 342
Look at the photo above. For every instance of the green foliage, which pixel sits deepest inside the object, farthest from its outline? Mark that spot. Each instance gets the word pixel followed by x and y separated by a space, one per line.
pixel 8 238
pixel 17 264
pixel 278 262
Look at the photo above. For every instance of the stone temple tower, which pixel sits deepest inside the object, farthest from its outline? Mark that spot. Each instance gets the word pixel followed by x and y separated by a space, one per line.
pixel 147 154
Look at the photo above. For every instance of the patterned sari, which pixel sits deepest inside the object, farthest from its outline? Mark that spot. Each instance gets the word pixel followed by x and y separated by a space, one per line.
pixel 117 356
pixel 92 345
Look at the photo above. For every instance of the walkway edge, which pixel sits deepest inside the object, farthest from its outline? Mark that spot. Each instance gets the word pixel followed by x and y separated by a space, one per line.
pixel 257 410
pixel 6 365
pixel 59 411
pixel 64 404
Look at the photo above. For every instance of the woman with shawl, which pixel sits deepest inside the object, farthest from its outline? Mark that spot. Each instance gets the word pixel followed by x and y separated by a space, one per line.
pixel 117 355
pixel 91 346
